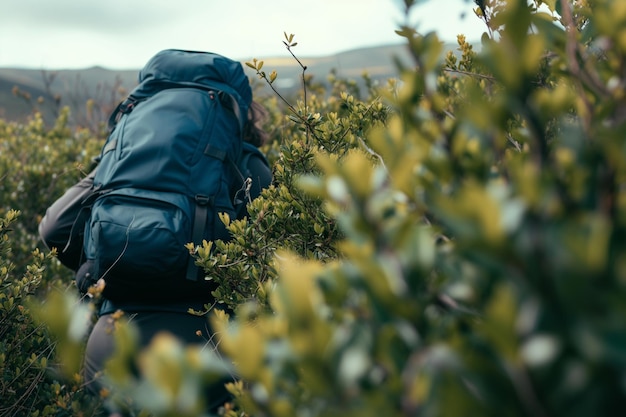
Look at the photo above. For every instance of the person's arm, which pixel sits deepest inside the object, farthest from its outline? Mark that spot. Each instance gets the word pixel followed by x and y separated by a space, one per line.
pixel 260 174
pixel 60 226
pixel 256 169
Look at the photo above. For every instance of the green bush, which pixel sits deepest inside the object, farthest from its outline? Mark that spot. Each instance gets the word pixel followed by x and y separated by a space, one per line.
pixel 30 381
pixel 480 268
pixel 37 164
pixel 449 244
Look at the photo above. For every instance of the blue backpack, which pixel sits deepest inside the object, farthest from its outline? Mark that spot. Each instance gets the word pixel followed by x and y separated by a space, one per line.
pixel 167 169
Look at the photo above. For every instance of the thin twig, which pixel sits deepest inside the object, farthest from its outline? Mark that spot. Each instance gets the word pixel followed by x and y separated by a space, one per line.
pixel 471 74
pixel 580 77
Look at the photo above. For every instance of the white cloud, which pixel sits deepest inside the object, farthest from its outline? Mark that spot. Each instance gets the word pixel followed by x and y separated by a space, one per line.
pixel 124 34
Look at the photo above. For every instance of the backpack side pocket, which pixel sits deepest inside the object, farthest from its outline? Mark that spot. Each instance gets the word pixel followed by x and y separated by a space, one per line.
pixel 137 237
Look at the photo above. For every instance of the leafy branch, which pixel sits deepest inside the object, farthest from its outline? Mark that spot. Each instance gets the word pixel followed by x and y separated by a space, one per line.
pixel 308 120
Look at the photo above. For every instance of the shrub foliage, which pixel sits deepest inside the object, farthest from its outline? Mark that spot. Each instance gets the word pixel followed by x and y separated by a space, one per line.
pixel 450 243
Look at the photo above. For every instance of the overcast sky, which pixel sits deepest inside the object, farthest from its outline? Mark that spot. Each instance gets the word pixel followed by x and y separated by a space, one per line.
pixel 124 34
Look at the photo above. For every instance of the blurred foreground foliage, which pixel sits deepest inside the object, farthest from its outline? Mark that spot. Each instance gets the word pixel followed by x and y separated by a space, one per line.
pixel 450 244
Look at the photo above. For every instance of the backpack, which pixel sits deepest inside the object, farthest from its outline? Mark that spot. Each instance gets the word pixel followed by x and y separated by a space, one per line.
pixel 166 171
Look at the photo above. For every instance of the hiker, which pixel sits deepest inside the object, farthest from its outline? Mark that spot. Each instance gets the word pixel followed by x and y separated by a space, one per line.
pixel 184 99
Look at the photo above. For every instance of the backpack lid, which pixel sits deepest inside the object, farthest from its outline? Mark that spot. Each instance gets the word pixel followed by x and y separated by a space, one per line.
pixel 195 68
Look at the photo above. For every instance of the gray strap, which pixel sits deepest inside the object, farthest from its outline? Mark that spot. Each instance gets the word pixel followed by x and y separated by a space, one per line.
pixel 109 146
pixel 199 224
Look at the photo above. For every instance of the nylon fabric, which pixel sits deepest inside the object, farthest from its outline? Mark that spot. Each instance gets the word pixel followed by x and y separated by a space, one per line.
pixel 167 161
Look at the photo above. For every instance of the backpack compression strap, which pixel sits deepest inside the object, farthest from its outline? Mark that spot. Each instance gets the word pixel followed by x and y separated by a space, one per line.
pixel 199 223
pixel 124 107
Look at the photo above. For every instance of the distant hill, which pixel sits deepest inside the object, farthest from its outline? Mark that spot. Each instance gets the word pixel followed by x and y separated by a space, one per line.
pixel 49 89
pixel 107 86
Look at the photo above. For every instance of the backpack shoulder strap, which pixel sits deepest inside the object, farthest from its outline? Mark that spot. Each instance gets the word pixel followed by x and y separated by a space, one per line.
pixel 230 102
pixel 125 106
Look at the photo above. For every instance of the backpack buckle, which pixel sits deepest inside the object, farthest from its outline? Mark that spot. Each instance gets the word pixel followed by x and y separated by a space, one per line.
pixel 204 200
